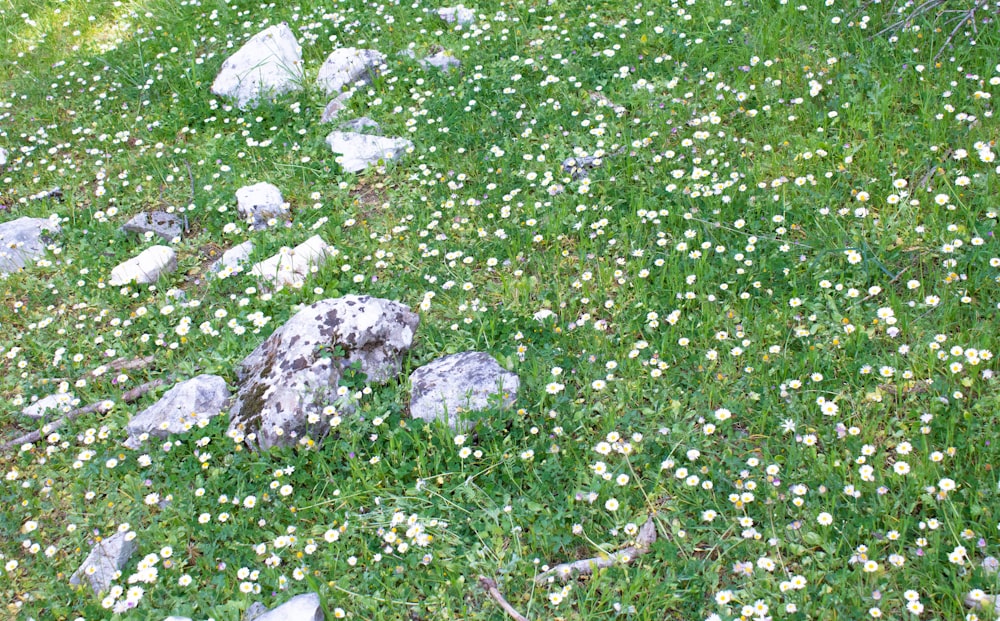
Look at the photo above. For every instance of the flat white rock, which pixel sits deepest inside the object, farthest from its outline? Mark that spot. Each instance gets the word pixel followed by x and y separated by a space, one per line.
pixel 23 240
pixel 146 268
pixel 291 265
pixel 52 405
pixel 458 14
pixel 463 382
pixel 267 65
pixel 179 409
pixel 358 151
pixel 259 203
pixel 346 66
pixel 104 560
pixel 304 607
pixel 232 260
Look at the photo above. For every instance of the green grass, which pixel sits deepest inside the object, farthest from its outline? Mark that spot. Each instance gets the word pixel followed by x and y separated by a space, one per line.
pixel 800 231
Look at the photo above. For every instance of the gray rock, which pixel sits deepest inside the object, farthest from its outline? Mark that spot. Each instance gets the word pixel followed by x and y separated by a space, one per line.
pixel 458 14
pixel 254 611
pixel 304 607
pixel 285 384
pixel 362 124
pixel 291 266
pixel 145 268
pixel 333 108
pixel 358 151
pixel 3 156
pixel 267 65
pixel 166 225
pixel 985 602
pixel 24 240
pixel 580 166
pixel 52 405
pixel 106 558
pixel 442 60
pixel 180 408
pixel 347 66
pixel 466 381
pixel 259 203
pixel 234 259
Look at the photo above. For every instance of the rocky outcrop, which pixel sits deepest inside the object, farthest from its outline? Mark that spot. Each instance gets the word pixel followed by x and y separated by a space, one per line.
pixel 467 381
pixel 267 65
pixel 286 384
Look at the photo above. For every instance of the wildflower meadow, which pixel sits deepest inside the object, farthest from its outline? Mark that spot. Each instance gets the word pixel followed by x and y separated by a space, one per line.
pixel 741 255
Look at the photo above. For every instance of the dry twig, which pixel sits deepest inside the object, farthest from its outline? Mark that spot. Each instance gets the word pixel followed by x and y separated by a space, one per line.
pixel 586 567
pixel 35 436
pixel 490 586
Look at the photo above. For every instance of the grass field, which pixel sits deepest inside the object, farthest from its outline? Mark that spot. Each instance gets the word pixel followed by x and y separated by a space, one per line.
pixel 766 320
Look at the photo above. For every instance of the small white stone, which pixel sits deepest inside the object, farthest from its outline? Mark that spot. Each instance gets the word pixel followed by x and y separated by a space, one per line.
pixel 442 60
pixel 291 265
pixel 269 64
pixel 259 203
pixel 347 66
pixel 358 151
pixel 146 268
pixel 458 14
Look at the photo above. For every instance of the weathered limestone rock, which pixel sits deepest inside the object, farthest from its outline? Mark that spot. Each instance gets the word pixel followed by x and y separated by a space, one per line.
pixel 52 405
pixel 179 409
pixel 166 225
pixel 442 60
pixel 460 382
pixel 291 266
pixel 254 611
pixel 259 203
pixel 267 65
pixel 106 558
pixel 358 151
pixel 146 268
pixel 458 14
pixel 333 108
pixel 287 382
pixel 24 240
pixel 233 260
pixel 304 607
pixel 347 66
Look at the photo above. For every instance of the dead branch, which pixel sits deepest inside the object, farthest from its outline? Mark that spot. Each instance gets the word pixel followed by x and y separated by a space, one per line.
pixel 127 397
pixel 490 586
pixel 586 567
pixel 965 18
